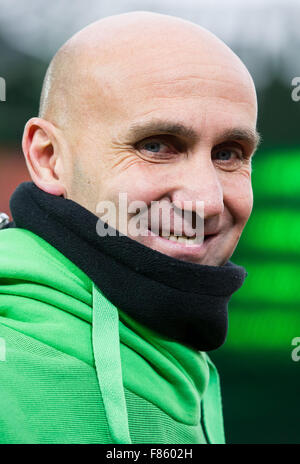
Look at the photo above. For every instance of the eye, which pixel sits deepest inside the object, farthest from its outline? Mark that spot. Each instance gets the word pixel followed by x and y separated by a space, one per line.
pixel 224 155
pixel 158 148
pixel 228 158
pixel 154 147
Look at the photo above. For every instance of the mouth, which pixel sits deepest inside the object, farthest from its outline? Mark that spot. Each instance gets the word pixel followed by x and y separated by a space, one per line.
pixel 183 239
pixel 182 243
pixel 190 249
pixel 195 249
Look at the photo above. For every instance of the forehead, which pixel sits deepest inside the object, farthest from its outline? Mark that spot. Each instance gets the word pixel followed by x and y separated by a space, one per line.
pixel 161 81
pixel 179 80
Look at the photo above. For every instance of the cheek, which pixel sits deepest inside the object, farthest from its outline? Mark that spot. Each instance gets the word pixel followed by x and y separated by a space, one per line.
pixel 142 183
pixel 238 198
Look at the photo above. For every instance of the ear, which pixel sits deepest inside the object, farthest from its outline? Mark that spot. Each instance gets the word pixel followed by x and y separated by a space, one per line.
pixel 40 147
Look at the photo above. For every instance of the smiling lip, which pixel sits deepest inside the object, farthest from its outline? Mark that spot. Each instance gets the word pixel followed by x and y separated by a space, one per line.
pixel 178 249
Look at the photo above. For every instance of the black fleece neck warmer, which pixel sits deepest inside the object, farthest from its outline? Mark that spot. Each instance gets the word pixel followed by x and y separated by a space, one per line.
pixel 183 301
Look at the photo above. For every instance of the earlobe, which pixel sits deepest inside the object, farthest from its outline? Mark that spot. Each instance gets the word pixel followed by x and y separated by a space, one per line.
pixel 50 188
pixel 39 147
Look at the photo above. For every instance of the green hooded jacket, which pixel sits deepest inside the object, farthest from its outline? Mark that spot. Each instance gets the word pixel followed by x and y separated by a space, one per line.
pixel 76 369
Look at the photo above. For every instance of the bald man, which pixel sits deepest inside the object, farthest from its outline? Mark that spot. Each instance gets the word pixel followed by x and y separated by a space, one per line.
pixel 106 319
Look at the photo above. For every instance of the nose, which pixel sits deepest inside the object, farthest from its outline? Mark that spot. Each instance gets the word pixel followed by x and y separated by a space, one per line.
pixel 200 182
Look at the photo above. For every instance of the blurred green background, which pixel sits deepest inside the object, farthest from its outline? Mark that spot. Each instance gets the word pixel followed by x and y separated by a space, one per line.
pixel 260 381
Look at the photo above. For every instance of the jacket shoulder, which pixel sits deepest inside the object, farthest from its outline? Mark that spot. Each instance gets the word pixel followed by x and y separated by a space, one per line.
pixel 26 256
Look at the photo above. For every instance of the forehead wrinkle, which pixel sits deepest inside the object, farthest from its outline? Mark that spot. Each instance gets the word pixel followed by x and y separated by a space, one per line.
pixel 173 84
pixel 159 74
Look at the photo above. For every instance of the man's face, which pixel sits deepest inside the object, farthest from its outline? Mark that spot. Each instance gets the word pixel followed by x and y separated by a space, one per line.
pixel 206 156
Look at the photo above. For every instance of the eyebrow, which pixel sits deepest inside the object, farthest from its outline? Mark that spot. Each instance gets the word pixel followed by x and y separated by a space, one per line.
pixel 140 130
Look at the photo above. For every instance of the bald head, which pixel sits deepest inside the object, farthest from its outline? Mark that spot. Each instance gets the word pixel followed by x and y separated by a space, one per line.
pixel 116 48
pixel 155 107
